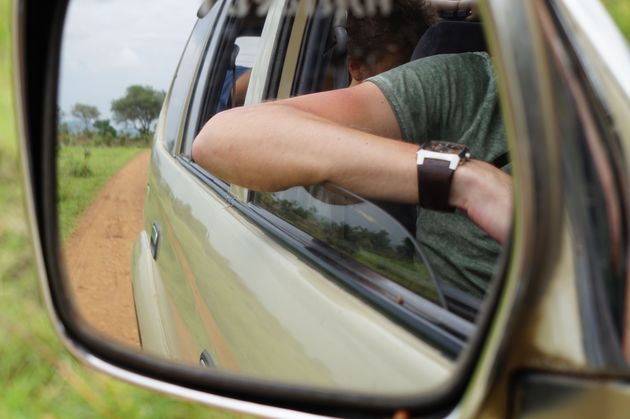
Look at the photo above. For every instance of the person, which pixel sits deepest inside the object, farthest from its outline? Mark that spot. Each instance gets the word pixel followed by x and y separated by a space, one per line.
pixel 377 43
pixel 233 92
pixel 365 138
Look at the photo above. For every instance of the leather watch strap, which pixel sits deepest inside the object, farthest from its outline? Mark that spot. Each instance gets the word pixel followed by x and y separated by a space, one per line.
pixel 434 184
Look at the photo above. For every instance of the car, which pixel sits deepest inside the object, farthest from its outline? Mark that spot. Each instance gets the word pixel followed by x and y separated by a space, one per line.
pixel 272 284
pixel 315 300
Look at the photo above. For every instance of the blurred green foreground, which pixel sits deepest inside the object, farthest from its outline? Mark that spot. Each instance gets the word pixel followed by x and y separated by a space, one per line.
pixel 38 377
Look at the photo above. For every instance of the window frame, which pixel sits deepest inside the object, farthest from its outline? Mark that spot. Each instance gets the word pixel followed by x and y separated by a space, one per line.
pixel 191 119
pixel 189 64
pixel 596 154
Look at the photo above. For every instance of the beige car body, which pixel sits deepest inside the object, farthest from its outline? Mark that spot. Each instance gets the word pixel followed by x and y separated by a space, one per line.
pixel 256 307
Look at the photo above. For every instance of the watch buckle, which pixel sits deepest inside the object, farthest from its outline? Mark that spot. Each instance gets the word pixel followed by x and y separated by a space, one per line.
pixel 453 159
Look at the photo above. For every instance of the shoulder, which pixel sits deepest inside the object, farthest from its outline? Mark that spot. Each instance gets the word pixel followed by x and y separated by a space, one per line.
pixel 447 65
pixel 437 69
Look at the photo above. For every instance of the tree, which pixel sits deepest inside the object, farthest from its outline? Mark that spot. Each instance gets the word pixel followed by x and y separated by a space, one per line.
pixel 139 108
pixel 104 128
pixel 86 113
pixel 105 132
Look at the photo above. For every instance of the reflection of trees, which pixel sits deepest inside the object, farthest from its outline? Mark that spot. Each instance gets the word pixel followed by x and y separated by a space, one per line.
pixel 371 247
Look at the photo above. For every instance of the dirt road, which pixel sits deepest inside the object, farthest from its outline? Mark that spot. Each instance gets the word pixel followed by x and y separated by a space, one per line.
pixel 98 254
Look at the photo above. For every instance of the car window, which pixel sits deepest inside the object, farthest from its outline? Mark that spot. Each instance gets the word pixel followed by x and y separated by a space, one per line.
pixel 357 230
pixel 311 55
pixel 179 93
pixel 224 78
pixel 321 65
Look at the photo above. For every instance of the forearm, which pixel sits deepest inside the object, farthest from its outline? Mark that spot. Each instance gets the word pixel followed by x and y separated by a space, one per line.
pixel 242 146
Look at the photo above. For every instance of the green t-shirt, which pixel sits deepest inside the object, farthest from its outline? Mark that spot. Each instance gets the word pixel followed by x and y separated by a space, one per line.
pixel 453 98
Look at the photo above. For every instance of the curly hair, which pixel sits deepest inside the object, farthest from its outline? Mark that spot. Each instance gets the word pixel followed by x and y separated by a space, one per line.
pixel 372 38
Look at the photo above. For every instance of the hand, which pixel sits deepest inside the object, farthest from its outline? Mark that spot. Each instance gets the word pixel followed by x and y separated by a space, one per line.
pixel 485 194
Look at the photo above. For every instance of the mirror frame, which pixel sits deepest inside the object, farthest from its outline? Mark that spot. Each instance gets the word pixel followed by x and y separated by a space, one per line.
pixel 525 265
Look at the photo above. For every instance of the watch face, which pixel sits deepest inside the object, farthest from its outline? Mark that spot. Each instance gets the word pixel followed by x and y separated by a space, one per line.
pixel 446 148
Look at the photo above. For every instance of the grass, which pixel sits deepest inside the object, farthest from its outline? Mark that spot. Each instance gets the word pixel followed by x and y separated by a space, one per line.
pixel 38 377
pixel 82 172
pixel 620 12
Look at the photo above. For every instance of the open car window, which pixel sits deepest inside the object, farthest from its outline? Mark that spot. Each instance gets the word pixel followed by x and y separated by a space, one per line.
pixel 224 75
pixel 320 65
pixel 310 53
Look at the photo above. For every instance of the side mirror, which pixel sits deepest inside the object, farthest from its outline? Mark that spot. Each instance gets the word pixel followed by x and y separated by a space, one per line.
pixel 309 301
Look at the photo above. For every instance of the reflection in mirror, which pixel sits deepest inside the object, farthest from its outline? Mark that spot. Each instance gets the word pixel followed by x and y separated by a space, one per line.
pixel 310 285
pixel 117 59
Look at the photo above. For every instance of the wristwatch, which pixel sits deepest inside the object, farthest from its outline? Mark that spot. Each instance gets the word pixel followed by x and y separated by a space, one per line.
pixel 436 162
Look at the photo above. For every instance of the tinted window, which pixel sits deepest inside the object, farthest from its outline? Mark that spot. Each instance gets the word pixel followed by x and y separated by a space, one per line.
pixel 179 93
pixel 356 229
pixel 224 78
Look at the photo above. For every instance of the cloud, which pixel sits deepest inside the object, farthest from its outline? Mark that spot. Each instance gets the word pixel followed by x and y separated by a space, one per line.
pixel 111 44
pixel 126 58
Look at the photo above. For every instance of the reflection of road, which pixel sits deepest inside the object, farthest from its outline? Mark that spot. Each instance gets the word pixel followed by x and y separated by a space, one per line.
pixel 98 254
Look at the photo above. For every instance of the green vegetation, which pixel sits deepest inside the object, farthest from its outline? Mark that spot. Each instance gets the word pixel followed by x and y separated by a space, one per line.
pixel 87 114
pixel 620 12
pixel 39 379
pixel 37 376
pixel 82 172
pixel 139 108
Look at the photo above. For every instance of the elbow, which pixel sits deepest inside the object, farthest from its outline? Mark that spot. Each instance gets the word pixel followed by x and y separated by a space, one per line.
pixel 210 146
pixel 199 145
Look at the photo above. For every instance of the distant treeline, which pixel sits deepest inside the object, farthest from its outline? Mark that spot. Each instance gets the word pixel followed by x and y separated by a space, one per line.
pixel 134 115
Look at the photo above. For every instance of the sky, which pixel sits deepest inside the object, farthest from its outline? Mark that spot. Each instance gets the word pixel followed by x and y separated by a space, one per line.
pixel 109 45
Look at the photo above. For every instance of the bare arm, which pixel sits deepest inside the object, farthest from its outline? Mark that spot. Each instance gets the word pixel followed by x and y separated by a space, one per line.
pixel 344 137
pixel 306 140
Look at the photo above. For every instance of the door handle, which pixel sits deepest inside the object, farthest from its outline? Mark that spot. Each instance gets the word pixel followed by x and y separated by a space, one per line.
pixel 206 360
pixel 155 239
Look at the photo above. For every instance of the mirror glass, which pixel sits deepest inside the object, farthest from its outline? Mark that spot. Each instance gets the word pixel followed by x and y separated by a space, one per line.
pixel 313 284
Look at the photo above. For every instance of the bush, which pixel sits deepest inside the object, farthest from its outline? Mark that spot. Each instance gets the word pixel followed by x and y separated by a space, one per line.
pixel 81 168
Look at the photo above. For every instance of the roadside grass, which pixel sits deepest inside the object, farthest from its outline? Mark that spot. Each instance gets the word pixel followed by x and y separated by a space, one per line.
pixel 82 172
pixel 38 377
pixel 620 12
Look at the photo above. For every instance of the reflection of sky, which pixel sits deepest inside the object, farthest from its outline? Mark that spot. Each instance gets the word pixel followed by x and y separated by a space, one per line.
pixel 109 45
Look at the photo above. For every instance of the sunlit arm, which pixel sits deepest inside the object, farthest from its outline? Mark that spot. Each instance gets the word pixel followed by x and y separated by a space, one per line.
pixel 315 139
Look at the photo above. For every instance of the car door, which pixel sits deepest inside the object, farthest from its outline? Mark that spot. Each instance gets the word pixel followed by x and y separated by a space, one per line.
pixel 243 288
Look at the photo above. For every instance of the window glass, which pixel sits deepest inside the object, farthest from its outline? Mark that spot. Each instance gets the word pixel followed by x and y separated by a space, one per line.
pixel 357 229
pixel 236 78
pixel 180 88
pixel 316 54
pixel 224 78
pixel 379 237
pixel 322 64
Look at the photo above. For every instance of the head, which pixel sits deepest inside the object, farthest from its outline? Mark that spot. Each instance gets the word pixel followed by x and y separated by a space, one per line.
pixel 379 43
